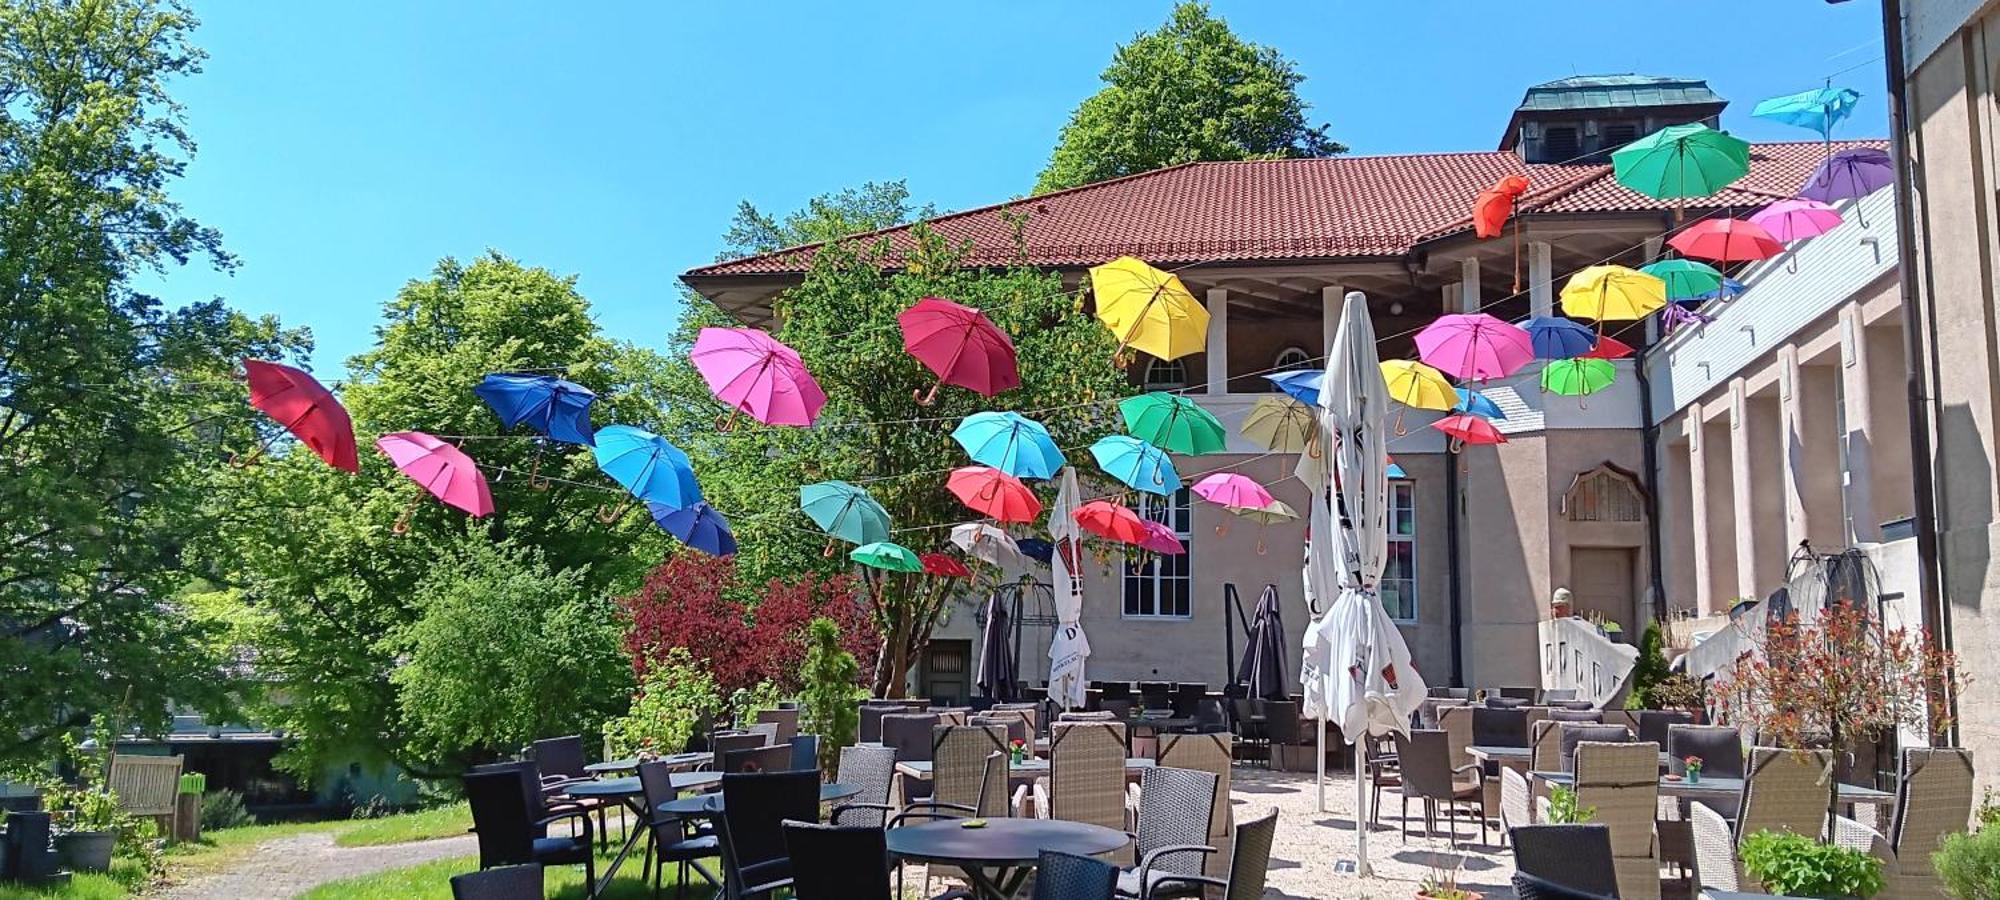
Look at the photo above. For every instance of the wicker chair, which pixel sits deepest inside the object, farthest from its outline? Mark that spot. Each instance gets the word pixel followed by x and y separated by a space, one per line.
pixel 1530 887
pixel 1499 727
pixel 963 780
pixel 671 840
pixel 830 862
pixel 1576 857
pixel 910 734
pixel 1552 695
pixel 1249 864
pixel 1517 801
pixel 873 770
pixel 1211 753
pixel 758 759
pixel 724 744
pixel 1784 790
pixel 1715 865
pixel 1622 782
pixel 1933 799
pixel 1066 876
pixel 1573 705
pixel 1175 806
pixel 872 712
pixel 1015 726
pixel 1281 728
pixel 1456 723
pixel 1574 733
pixel 1086 780
pixel 756 807
pixel 1029 712
pixel 1719 746
pixel 1560 714
pixel 1655 723
pixel 1385 769
pixel 510 817
pixel 1545 746
pixel 504 883
pixel 1428 775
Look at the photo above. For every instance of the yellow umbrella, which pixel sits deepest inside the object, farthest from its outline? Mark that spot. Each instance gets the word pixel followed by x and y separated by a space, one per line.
pixel 1613 293
pixel 1416 385
pixel 1280 423
pixel 1149 310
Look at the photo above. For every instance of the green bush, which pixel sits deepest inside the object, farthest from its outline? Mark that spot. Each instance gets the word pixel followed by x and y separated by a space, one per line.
pixel 1563 809
pixel 1648 670
pixel 224 809
pixel 1969 864
pixel 675 696
pixel 1798 866
pixel 828 701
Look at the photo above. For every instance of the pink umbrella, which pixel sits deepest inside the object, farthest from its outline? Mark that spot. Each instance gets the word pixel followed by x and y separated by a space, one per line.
pixel 1161 539
pixel 1233 490
pixel 1474 346
pixel 959 344
pixel 440 468
pixel 753 373
pixel 1796 220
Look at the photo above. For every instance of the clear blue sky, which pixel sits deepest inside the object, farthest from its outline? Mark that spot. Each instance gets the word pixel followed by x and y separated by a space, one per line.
pixel 345 147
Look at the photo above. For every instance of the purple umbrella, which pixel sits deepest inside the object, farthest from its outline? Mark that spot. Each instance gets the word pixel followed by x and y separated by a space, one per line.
pixel 1850 174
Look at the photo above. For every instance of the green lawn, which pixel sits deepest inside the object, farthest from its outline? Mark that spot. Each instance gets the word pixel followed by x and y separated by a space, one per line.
pixel 125 879
pixel 423 825
pixel 432 881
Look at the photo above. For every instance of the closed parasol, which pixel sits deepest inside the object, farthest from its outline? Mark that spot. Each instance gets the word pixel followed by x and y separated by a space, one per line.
pixel 1070 648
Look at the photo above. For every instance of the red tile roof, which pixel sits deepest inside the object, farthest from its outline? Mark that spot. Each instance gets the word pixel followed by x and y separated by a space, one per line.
pixel 1344 207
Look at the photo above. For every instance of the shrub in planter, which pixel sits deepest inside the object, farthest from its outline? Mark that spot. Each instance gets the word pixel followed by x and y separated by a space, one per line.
pixel 1798 866
pixel 89 821
pixel 1969 864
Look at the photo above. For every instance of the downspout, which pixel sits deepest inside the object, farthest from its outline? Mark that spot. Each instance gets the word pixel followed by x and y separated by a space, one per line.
pixel 1916 324
pixel 1455 504
pixel 1649 454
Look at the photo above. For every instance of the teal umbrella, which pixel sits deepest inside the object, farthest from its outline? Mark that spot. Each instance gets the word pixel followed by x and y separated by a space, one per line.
pixel 887 557
pixel 845 511
pixel 1141 466
pixel 1818 109
pixel 1173 422
pixel 1685 278
pixel 1681 161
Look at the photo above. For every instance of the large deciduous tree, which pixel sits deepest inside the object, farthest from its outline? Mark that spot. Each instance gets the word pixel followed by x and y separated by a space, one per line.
pixel 1190 92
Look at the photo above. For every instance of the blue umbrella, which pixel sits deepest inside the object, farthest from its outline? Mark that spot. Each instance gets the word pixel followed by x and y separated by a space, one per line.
pixel 550 405
pixel 1036 549
pixel 1730 288
pixel 1471 401
pixel 1141 466
pixel 647 465
pixel 1818 109
pixel 698 526
pixel 1010 442
pixel 1301 385
pixel 1559 338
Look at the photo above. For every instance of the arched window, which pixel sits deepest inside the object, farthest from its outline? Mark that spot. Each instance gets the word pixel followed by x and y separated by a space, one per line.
pixel 1604 494
pixel 1291 358
pixel 1165 375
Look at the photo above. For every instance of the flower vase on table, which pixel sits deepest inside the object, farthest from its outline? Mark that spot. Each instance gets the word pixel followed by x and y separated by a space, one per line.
pixel 1018 751
pixel 1693 769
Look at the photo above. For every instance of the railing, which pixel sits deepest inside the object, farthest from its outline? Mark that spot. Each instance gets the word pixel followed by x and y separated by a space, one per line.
pixel 1576 656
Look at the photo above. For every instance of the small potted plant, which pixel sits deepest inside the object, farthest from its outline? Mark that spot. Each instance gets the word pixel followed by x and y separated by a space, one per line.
pixel 1018 750
pixel 1794 865
pixel 1693 764
pixel 1442 883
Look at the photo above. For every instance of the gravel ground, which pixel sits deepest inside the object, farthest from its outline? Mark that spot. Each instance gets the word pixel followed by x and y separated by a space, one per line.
pixel 286 867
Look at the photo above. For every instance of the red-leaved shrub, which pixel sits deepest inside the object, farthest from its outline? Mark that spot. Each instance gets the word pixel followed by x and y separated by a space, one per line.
pixel 685 602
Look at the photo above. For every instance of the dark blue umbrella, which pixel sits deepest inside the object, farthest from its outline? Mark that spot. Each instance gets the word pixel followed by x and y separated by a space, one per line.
pixel 698 526
pixel 996 653
pixel 1036 549
pixel 1555 337
pixel 553 406
pixel 1301 385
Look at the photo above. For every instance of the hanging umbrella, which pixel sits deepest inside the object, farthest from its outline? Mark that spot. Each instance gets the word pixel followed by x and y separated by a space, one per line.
pixel 1474 346
pixel 845 512
pixel 1726 241
pixel 1275 512
pixel 887 556
pixel 1300 384
pixel 1160 539
pixel 1818 109
pixel 1039 550
pixel 960 345
pixel 1172 422
pixel 1355 668
pixel 1467 429
pixel 304 407
pixel 1280 424
pixel 1141 466
pixel 1680 161
pixel 988 544
pixel 556 407
pixel 440 468
pixel 1474 402
pixel 1010 442
pixel 698 526
pixel 1684 278
pixel 1231 489
pixel 1493 205
pixel 1262 670
pixel 996 674
pixel 1070 648
pixel 1148 310
pixel 754 374
pixel 647 465
pixel 1730 288
pixel 1795 220
pixel 1555 337
pixel 1578 377
pixel 1612 293
pixel 1416 386
pixel 1609 347
pixel 1850 174
pixel 993 493
pixel 943 565
pixel 1111 521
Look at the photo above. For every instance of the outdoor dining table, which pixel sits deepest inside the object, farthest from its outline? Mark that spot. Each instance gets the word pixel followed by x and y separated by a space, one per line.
pixel 673 761
pixel 998 855
pixel 1514 757
pixel 628 792
pixel 1716 787
pixel 1033 768
pixel 711 804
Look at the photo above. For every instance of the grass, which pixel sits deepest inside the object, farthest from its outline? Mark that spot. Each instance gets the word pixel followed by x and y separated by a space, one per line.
pixel 423 825
pixel 126 878
pixel 432 881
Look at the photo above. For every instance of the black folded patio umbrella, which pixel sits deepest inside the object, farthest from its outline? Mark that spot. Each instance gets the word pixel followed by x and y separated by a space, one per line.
pixel 996 653
pixel 1263 666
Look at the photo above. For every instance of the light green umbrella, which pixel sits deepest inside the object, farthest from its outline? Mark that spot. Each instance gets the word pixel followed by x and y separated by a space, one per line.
pixel 887 556
pixel 1578 377
pixel 1680 161
pixel 845 511
pixel 1685 278
pixel 1172 422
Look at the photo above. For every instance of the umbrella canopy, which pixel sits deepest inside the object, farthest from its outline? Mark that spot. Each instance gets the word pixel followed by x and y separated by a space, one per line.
pixel 647 465
pixel 996 652
pixel 1474 346
pixel 1684 278
pixel 698 526
pixel 1300 384
pixel 1492 207
pixel 988 544
pixel 556 407
pixel 1850 174
pixel 1609 347
pixel 1070 648
pixel 1279 423
pixel 1231 489
pixel 1794 220
pixel 1555 337
pixel 1139 465
pixel 1010 442
pixel 1578 377
pixel 440 468
pixel 1415 385
pixel 1148 310
pixel 304 407
pixel 1262 669
pixel 1173 422
pixel 1039 550
pixel 1471 401
pixel 993 493
pixel 1678 161
pixel 1818 109
pixel 944 565
pixel 960 345
pixel 1726 241
pixel 1612 293
pixel 753 373
pixel 887 556
pixel 1276 512
pixel 845 511
pixel 1161 539
pixel 1469 429
pixel 1111 521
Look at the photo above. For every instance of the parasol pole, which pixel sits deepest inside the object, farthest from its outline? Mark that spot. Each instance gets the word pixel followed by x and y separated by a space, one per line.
pixel 1361 817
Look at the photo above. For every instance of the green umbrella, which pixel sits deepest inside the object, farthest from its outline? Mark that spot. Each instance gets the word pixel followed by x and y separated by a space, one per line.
pixel 845 511
pixel 1578 377
pixel 1685 278
pixel 1172 422
pixel 1678 161
pixel 888 556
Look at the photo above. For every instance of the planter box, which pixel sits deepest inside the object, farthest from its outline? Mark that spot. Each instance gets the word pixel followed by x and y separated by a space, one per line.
pixel 86 851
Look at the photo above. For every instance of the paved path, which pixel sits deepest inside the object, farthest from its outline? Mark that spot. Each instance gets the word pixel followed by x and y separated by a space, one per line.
pixel 286 867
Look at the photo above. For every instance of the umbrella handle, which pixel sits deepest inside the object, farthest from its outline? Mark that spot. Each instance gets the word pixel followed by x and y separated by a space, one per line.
pixel 1222 529
pixel 535 479
pixel 1792 265
pixel 1118 357
pixel 726 424
pixel 923 398
pixel 402 525
pixel 609 515
pixel 1400 430
pixel 828 552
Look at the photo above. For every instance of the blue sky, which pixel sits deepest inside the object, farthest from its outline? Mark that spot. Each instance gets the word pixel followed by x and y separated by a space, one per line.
pixel 345 147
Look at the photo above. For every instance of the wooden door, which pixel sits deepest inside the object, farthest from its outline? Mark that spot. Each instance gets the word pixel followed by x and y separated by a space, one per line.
pixel 1605 580
pixel 945 671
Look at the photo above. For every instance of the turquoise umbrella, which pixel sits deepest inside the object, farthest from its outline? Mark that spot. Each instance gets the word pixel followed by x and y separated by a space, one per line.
pixel 1010 442
pixel 1471 401
pixel 647 465
pixel 1685 278
pixel 1818 109
pixel 845 511
pixel 1680 161
pixel 1141 466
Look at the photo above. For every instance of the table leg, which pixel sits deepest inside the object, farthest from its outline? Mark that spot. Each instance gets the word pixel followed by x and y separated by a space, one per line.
pixel 632 836
pixel 1003 884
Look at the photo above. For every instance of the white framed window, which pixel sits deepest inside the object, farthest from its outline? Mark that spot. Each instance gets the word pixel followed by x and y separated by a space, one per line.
pixel 1293 357
pixel 1156 586
pixel 1399 572
pixel 1165 375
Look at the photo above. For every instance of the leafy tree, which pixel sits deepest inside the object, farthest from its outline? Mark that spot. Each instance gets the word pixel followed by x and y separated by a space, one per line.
pixel 1190 92
pixel 676 695
pixel 832 687
pixel 829 217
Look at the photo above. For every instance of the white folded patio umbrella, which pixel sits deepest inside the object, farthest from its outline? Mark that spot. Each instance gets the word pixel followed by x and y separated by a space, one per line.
pixel 1070 648
pixel 1355 669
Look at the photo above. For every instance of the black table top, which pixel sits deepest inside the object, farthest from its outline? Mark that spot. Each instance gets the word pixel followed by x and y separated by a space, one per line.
pixel 710 804
pixel 1001 842
pixel 632 765
pixel 628 787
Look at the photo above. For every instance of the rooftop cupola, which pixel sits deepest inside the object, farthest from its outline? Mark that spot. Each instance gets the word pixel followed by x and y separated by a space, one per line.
pixel 1584 117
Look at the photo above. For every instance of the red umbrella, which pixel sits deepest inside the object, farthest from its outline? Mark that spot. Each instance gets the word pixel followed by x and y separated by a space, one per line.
pixel 440 468
pixel 1608 347
pixel 1726 241
pixel 959 344
pixel 1468 429
pixel 305 408
pixel 944 565
pixel 991 492
pixel 1110 520
pixel 1491 209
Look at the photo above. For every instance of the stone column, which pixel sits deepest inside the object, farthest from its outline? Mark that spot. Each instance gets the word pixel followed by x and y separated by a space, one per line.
pixel 1704 595
pixel 1218 341
pixel 1740 480
pixel 1468 279
pixel 1541 280
pixel 1332 302
pixel 1862 523
pixel 1792 438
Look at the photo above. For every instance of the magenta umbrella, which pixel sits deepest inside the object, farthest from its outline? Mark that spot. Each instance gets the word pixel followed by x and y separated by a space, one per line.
pixel 960 345
pixel 1474 346
pixel 1796 220
pixel 440 468
pixel 1232 490
pixel 753 373
pixel 1161 539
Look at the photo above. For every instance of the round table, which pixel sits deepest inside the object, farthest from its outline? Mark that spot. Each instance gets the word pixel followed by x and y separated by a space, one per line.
pixel 998 857
pixel 675 760
pixel 711 804
pixel 620 788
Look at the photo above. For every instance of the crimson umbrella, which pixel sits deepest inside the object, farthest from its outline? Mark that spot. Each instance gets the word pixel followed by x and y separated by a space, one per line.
pixel 993 493
pixel 960 345
pixel 1609 347
pixel 1726 241
pixel 440 468
pixel 1111 520
pixel 1468 429
pixel 305 408
pixel 944 565
pixel 1161 539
